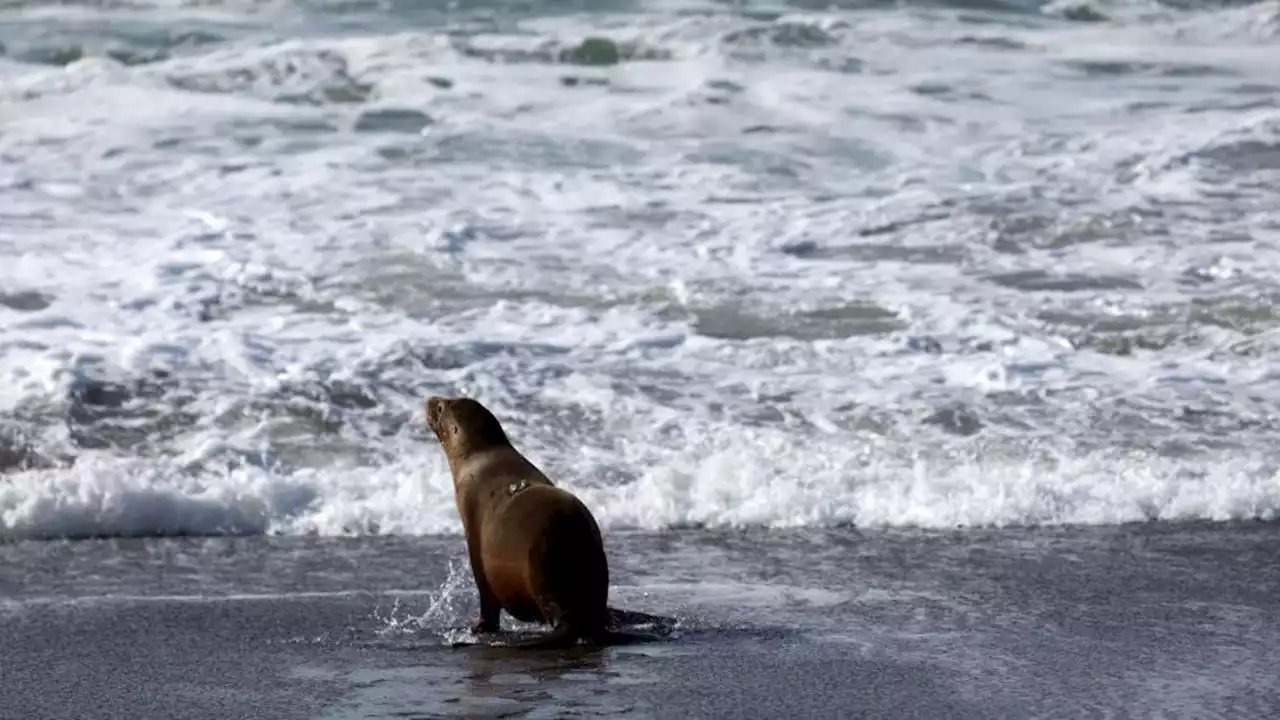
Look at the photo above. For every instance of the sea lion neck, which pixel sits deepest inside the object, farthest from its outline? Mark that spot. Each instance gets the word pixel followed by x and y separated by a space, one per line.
pixel 465 445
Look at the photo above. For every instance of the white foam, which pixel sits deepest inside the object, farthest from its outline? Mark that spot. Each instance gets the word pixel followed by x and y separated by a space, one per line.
pixel 192 217
pixel 741 478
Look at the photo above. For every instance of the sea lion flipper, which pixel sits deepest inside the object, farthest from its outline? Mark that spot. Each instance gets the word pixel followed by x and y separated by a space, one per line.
pixel 490 608
pixel 489 611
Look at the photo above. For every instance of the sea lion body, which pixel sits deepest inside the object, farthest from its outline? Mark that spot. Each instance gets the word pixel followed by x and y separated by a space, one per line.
pixel 535 549
pixel 539 552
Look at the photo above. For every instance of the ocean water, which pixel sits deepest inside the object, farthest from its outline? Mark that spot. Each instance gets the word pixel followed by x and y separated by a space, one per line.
pixel 821 308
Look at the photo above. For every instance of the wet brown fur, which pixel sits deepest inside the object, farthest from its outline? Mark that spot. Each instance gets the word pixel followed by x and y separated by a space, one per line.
pixel 535 549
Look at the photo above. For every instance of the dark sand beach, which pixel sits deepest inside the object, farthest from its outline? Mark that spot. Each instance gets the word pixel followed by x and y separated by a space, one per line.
pixel 1127 622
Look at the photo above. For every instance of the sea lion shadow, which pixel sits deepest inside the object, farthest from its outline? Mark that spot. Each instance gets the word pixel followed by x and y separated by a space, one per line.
pixel 659 636
pixel 626 627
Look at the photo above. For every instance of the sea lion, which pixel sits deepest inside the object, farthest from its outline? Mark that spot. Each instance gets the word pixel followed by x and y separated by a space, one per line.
pixel 535 549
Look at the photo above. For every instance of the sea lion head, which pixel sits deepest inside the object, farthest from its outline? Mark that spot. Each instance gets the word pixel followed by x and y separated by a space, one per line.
pixel 463 425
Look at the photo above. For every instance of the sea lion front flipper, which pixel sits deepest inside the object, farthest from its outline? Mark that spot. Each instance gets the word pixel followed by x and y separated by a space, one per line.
pixel 490 608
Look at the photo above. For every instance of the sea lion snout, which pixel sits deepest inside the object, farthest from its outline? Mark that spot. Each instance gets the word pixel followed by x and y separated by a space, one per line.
pixel 434 408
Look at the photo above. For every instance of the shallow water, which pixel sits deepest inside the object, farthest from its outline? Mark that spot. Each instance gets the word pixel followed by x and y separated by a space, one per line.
pixel 1139 621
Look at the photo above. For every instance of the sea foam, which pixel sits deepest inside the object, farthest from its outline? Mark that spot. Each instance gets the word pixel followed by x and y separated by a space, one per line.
pixel 740 479
pixel 740 274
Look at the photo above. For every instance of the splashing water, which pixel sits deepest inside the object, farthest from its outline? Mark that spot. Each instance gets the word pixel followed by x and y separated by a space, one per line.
pixel 442 610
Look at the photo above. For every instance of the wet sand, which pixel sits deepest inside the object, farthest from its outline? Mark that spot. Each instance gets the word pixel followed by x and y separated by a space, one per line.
pixel 243 659
pixel 1121 622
